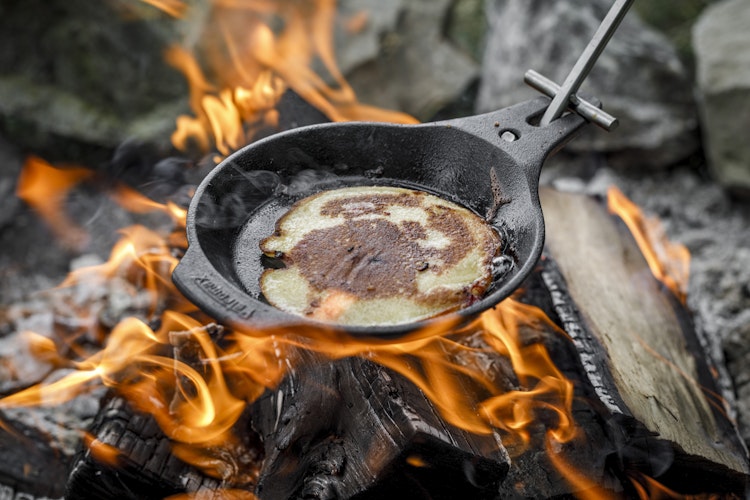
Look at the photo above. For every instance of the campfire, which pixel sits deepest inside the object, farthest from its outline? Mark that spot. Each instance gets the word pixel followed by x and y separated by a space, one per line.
pixel 589 381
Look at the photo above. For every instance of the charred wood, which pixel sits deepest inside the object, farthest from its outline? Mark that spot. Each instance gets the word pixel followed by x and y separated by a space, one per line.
pixel 343 429
pixel 131 457
pixel 645 402
pixel 353 429
pixel 532 474
pixel 29 467
pixel 145 467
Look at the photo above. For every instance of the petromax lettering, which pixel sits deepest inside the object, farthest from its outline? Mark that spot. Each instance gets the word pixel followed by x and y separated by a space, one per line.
pixel 222 297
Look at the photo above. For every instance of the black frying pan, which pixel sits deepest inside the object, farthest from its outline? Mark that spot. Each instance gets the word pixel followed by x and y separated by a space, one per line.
pixel 488 163
pixel 470 161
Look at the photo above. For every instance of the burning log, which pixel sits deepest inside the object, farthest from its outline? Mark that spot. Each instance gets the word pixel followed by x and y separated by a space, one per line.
pixel 129 455
pixel 352 428
pixel 634 390
pixel 331 430
pixel 142 464
pixel 641 353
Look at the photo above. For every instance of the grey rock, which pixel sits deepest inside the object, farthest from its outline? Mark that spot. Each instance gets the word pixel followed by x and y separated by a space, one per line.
pixel 467 26
pixel 95 73
pixel 639 77
pixel 91 72
pixel 360 28
pixel 722 50
pixel 10 166
pixel 58 112
pixel 417 69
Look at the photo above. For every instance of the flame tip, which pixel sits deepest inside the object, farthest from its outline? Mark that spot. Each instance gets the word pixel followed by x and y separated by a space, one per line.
pixel 669 262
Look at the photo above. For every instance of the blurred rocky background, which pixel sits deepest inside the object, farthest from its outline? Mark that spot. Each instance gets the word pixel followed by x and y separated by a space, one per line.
pixel 78 79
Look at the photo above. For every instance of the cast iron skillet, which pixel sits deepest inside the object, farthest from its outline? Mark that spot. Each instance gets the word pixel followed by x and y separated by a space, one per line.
pixel 488 163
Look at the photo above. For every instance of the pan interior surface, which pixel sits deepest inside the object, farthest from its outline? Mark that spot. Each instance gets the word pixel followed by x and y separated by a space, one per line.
pixel 377 255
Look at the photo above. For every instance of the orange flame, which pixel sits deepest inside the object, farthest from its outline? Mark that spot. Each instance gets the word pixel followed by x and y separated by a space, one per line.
pixel 226 494
pixel 584 487
pixel 514 411
pixel 175 8
pixel 135 202
pixel 142 257
pixel 669 262
pixel 198 412
pixel 197 405
pixel 428 359
pixel 45 188
pixel 103 452
pixel 253 65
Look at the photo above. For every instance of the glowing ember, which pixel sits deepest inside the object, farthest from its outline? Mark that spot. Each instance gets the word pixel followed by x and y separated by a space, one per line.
pixel 669 262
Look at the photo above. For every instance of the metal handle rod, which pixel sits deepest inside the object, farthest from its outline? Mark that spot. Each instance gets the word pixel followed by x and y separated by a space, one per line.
pixel 584 108
pixel 586 61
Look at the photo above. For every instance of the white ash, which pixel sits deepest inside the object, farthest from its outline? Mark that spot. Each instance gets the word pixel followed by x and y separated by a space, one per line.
pixel 58 425
pixel 86 306
pixel 19 366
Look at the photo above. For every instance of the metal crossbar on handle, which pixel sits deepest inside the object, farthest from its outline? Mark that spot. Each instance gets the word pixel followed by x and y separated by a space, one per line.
pixel 588 110
pixel 566 95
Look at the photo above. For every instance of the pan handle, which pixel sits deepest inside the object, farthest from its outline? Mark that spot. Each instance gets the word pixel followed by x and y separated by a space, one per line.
pixel 516 131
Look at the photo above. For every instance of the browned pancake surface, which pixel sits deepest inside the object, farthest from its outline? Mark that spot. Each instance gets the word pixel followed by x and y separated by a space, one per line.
pixel 378 256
